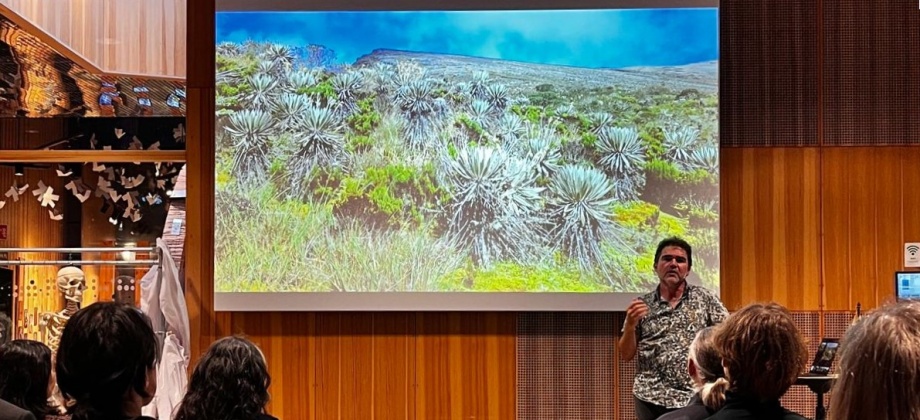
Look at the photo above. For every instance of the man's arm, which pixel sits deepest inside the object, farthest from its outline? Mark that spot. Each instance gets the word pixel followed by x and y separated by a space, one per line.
pixel 627 344
pixel 629 340
pixel 717 311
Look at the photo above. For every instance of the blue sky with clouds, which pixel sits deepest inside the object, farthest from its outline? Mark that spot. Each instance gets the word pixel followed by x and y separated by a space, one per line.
pixel 581 38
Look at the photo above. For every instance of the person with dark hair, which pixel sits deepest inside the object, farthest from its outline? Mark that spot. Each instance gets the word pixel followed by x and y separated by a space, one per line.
pixel 6 328
pixel 659 328
pixel 705 367
pixel 25 376
pixel 763 354
pixel 229 383
pixel 880 366
pixel 106 362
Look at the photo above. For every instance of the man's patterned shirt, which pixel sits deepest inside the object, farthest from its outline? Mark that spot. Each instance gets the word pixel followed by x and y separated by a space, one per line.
pixel 664 336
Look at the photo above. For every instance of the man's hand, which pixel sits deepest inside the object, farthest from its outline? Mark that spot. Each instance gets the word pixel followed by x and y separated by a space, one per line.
pixel 635 312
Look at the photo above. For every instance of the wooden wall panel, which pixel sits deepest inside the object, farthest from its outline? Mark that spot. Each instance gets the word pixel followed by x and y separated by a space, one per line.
pixel 890 215
pixel 466 365
pixel 141 37
pixel 378 365
pixel 867 219
pixel 816 228
pixel 836 223
pixel 356 366
pixel 769 227
pixel 768 70
pixel 865 198
pixel 394 380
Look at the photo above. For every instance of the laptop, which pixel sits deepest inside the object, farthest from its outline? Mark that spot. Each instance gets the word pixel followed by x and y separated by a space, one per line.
pixel 824 357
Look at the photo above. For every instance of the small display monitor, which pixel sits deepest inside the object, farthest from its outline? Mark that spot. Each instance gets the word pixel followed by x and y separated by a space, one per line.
pixel 907 285
pixel 824 357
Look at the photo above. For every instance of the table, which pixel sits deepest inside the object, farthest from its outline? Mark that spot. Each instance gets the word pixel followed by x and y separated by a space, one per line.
pixel 820 385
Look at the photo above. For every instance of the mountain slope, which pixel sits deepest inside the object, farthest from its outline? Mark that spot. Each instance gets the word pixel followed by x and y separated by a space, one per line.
pixel 525 76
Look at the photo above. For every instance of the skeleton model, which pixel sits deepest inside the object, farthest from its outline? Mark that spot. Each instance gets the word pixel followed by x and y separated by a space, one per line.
pixel 71 282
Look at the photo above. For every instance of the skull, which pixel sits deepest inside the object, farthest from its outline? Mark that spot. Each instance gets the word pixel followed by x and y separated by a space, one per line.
pixel 71 282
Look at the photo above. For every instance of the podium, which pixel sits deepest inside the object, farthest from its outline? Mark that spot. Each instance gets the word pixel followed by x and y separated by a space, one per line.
pixel 820 385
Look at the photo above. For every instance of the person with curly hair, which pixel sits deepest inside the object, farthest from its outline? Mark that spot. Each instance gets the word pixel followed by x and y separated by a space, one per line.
pixel 229 383
pixel 25 377
pixel 880 366
pixel 106 362
pixel 763 354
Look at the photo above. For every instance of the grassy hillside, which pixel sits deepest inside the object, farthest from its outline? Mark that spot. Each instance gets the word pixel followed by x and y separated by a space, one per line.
pixel 420 172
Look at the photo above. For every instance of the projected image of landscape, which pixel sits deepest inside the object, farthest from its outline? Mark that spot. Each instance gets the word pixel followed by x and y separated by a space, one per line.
pixel 492 151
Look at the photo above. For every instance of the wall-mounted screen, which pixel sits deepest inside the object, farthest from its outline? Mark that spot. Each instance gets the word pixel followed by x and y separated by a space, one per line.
pixel 462 160
pixel 907 285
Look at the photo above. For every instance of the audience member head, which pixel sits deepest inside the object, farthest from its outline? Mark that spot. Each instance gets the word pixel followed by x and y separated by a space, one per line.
pixel 106 362
pixel 6 328
pixel 705 367
pixel 230 382
pixel 25 375
pixel 879 373
pixel 762 351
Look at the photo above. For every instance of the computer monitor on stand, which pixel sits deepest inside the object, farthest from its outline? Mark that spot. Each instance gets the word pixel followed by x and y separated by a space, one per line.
pixel 907 285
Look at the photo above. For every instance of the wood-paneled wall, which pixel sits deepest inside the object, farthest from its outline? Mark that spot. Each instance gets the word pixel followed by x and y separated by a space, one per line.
pixel 770 226
pixel 385 365
pixel 140 37
pixel 816 228
pixel 30 226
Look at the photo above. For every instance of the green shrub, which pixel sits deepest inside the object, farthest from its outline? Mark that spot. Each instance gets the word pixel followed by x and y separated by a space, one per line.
pixel 513 277
pixel 465 121
pixel 358 143
pixel 322 91
pixel 392 195
pixel 366 119
pixel 530 113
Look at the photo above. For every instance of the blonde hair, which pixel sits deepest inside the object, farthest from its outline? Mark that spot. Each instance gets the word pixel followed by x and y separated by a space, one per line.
pixel 762 351
pixel 880 366
pixel 708 362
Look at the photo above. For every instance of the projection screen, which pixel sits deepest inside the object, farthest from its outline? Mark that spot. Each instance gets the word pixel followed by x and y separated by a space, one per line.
pixel 528 158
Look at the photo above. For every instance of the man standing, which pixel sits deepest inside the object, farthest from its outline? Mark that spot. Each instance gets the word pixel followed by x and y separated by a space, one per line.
pixel 659 328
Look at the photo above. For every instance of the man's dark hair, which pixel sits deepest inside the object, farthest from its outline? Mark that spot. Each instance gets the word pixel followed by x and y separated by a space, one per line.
pixel 105 352
pixel 675 241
